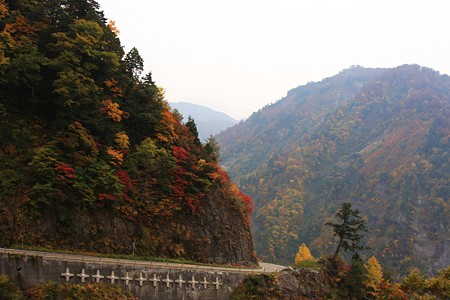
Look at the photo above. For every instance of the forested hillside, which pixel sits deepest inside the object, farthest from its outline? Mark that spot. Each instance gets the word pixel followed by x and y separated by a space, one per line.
pixel 91 156
pixel 379 138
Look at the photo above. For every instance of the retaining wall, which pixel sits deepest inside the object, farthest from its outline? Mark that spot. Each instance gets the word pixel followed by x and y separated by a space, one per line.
pixel 145 280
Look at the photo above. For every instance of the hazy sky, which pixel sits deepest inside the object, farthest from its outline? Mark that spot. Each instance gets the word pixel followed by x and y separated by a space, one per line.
pixel 236 56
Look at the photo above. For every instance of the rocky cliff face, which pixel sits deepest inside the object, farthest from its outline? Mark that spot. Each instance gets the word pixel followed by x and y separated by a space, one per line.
pixel 219 234
pixel 216 233
pixel 287 284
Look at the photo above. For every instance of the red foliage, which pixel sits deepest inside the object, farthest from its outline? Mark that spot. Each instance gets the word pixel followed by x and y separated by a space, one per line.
pixel 65 172
pixel 248 205
pixel 223 176
pixel 192 203
pixel 106 197
pixel 177 189
pixel 179 153
pixel 127 183
pixel 391 291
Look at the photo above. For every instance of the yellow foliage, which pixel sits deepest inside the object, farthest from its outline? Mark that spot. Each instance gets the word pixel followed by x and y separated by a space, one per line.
pixel 122 140
pixel 374 274
pixel 303 254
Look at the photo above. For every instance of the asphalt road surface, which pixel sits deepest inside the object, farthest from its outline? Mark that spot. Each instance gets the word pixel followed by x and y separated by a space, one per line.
pixel 264 267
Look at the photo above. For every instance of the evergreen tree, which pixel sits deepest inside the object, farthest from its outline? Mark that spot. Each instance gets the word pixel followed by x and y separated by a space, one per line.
pixel 134 63
pixel 193 129
pixel 212 149
pixel 349 230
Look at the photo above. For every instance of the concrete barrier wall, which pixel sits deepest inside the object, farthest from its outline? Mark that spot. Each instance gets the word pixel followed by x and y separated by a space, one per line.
pixel 143 279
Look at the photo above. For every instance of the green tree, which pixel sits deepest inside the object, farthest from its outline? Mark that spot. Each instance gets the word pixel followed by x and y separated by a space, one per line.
pixel 134 64
pixel 349 230
pixel 193 129
pixel 415 282
pixel 352 286
pixel 212 149
pixel 81 66
pixel 9 289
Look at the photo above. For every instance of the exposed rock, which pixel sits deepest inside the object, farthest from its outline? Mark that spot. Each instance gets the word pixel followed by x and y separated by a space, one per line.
pixel 307 283
pixel 288 284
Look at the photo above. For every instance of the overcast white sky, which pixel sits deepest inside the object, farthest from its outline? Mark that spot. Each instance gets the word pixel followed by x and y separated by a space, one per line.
pixel 236 56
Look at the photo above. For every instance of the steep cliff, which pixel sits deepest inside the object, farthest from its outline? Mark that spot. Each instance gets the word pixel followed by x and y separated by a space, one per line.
pixel 91 156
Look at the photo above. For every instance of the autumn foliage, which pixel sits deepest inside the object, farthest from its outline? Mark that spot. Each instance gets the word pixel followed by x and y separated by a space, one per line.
pixel 303 254
pixel 86 138
pixel 377 138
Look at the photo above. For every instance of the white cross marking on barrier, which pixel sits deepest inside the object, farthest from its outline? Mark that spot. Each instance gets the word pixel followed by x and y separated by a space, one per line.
pixel 127 278
pixel 141 279
pixel 83 275
pixel 204 282
pixel 112 277
pixel 67 274
pixel 97 276
pixel 167 280
pixel 180 281
pixel 154 279
pixel 217 283
pixel 193 282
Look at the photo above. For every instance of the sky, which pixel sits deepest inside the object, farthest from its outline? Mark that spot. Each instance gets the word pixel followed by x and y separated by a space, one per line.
pixel 237 56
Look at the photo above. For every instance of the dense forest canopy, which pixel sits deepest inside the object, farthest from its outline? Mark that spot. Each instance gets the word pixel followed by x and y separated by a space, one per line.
pixel 378 138
pixel 91 156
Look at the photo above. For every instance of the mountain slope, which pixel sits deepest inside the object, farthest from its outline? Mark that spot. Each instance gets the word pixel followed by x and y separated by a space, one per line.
pixel 209 122
pixel 91 156
pixel 376 137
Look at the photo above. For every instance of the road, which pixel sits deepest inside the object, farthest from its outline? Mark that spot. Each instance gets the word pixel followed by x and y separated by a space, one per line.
pixel 264 267
pixel 271 267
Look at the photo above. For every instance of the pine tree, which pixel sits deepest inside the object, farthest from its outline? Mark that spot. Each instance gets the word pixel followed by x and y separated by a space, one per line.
pixel 303 254
pixel 134 64
pixel 193 129
pixel 349 230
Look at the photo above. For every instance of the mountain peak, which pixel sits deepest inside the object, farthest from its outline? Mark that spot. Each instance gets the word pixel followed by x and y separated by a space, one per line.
pixel 378 138
pixel 209 122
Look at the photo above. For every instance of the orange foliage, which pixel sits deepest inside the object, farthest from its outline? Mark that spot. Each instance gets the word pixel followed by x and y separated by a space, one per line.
pixel 112 84
pixel 111 110
pixel 112 26
pixel 21 27
pixel 3 9
pixel 168 121
pixel 116 155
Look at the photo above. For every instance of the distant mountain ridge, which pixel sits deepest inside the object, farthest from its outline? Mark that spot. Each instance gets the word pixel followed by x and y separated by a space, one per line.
pixel 379 138
pixel 209 122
